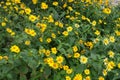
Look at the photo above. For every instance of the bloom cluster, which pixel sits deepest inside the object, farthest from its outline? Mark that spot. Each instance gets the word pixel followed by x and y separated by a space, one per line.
pixel 59 40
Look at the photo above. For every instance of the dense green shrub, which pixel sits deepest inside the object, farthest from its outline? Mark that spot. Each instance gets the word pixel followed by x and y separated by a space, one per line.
pixel 59 40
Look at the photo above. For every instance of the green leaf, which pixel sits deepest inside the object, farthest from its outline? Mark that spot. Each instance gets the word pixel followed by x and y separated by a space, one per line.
pixel 70 51
pixel 23 69
pixel 62 15
pixel 71 40
pixel 57 76
pixel 79 68
pixel 47 72
pixel 9 76
pixel 93 56
pixel 62 51
pixel 55 13
pixel 23 77
pixel 32 64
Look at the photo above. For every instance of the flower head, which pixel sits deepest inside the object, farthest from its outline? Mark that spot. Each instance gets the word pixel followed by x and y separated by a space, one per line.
pixel 15 49
pixel 32 18
pixel 78 77
pixel 83 59
pixel 59 59
pixel 106 10
pixel 44 5
pixel 55 3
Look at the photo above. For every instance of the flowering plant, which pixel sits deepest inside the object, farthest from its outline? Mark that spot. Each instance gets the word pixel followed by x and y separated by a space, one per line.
pixel 59 40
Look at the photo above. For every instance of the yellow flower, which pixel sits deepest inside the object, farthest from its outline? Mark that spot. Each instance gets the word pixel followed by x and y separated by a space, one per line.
pixel 110 65
pixel 60 24
pixel 118 25
pixel 15 49
pixel 105 61
pixel 16 1
pixel 4 7
pixel 1 57
pixel 8 30
pixel 35 1
pixel 55 66
pixel 54 50
pixel 111 54
pixel 42 51
pixel 97 32
pixel 94 23
pixel 89 45
pixel 8 3
pixel 69 29
pixel 59 59
pixel 87 78
pixel 27 42
pixel 80 41
pixel 43 27
pixel 65 67
pixel 70 8
pixel 87 71
pixel 47 52
pixel 27 10
pixel 101 78
pixel 22 6
pixel 76 55
pixel 50 61
pixel 83 59
pixel 69 71
pixel 95 40
pixel 118 65
pixel 72 18
pixel 27 30
pixel 56 23
pixel 55 3
pixel 32 18
pixel 50 19
pixel 104 72
pixel 106 10
pixel 3 24
pixel 100 21
pixel 30 32
pixel 83 17
pixel 112 39
pixel 105 41
pixel 70 1
pixel 75 49
pixel 21 12
pixel 77 25
pixel 67 78
pixel 41 39
pixel 44 5
pixel 12 33
pixel 65 5
pixel 38 24
pixel 48 40
pixel 6 19
pixel 77 77
pixel 65 33
pixel 117 33
pixel 77 13
pixel 53 35
pixel 5 57
pixel 67 16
